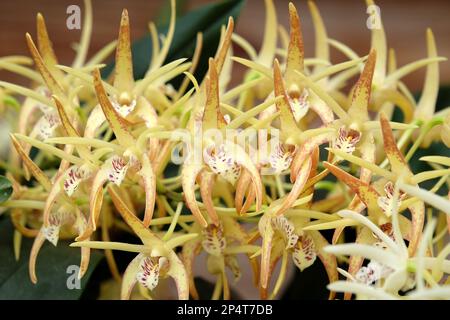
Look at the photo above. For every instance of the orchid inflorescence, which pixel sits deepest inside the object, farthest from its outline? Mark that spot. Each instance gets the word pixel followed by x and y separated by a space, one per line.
pixel 113 140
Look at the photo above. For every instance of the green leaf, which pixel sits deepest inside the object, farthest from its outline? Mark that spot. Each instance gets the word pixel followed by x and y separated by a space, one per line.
pixel 164 13
pixel 52 267
pixel 207 19
pixel 5 189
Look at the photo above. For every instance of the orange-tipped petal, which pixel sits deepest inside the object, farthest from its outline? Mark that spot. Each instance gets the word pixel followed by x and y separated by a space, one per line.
pixel 400 166
pixel 117 123
pixel 44 43
pixel 366 193
pixel 123 76
pixel 138 227
pixel 46 49
pixel 242 186
pixel 222 52
pixel 305 151
pixel 396 159
pixel 65 121
pixel 212 117
pixel 249 200
pixel 295 50
pixel 288 124
pixel 361 94
pixel 32 167
pixel 48 77
pixel 71 131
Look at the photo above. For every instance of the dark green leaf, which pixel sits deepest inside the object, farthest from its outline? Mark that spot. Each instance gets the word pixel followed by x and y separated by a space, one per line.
pixel 165 12
pixel 52 269
pixel 5 189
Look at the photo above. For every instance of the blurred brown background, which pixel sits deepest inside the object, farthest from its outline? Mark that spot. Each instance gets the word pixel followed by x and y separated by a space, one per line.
pixel 405 22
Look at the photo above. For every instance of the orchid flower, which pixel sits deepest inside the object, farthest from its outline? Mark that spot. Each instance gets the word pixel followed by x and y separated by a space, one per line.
pixel 222 243
pixel 156 258
pixel 92 159
pixel 391 269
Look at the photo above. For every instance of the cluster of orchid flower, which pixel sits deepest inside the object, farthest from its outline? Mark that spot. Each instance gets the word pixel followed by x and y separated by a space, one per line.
pixel 113 140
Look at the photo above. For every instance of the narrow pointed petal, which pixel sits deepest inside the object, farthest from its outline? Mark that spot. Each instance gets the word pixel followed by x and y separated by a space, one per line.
pixel 361 94
pixel 356 262
pixel 379 43
pixel 288 124
pixel 241 190
pixel 32 167
pixel 417 210
pixel 297 188
pixel 305 151
pixel 225 46
pixel 427 103
pixel 269 44
pixel 267 233
pixel 178 272
pixel 123 75
pixel 366 193
pixel 84 264
pixel 149 179
pixel 48 77
pixel 212 117
pixel 69 128
pixel 295 57
pixel 141 231
pixel 188 253
pixel 189 175
pixel 44 43
pixel 367 149
pixel 116 122
pixel 95 200
pixel 46 49
pixel 244 160
pixel 37 245
pixel 328 260
pixel 52 198
pixel 129 277
pixel 206 188
pixel 321 37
